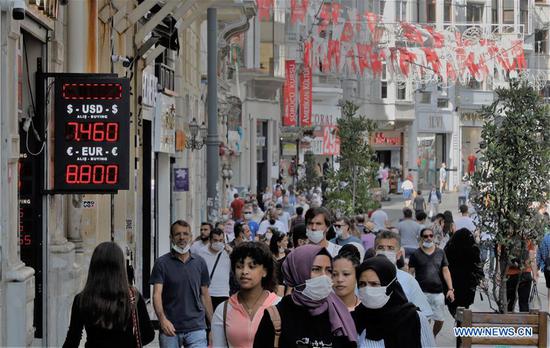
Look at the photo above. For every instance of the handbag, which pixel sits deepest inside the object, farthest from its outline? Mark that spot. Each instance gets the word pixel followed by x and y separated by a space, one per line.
pixel 534 298
pixel 135 321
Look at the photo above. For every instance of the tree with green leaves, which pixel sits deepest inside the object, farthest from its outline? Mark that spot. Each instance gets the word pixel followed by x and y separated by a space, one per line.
pixel 349 188
pixel 512 176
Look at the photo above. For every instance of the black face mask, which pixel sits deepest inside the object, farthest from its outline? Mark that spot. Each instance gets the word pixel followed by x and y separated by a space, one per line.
pixel 272 221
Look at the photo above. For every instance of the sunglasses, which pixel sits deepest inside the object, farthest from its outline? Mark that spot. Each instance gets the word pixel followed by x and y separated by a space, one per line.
pixel 428 236
pixel 338 226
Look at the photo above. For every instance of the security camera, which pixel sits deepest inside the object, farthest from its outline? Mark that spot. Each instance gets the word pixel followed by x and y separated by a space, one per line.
pixel 126 61
pixel 18 10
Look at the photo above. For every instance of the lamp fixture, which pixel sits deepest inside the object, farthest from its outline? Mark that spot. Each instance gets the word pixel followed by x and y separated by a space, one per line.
pixel 196 131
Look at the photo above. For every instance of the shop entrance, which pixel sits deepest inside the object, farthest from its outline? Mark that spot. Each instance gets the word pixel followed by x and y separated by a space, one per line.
pixel 431 153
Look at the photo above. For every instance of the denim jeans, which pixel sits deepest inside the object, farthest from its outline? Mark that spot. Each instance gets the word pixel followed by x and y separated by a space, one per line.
pixel 193 339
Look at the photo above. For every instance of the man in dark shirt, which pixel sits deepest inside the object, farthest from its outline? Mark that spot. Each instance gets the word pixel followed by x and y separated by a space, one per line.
pixel 180 292
pixel 419 204
pixel 427 264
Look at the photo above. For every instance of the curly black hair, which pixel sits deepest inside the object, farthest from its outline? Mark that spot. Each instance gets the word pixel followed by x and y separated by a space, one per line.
pixel 260 253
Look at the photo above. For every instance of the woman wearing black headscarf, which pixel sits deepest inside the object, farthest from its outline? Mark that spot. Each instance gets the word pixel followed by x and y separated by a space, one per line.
pixel 385 318
pixel 465 267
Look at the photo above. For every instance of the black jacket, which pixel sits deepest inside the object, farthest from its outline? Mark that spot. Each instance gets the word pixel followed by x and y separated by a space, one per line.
pixel 99 337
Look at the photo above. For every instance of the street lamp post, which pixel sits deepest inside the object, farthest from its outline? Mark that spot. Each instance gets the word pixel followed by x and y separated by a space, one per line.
pixel 195 131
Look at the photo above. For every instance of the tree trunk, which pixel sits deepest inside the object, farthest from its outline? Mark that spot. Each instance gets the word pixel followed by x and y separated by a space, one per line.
pixel 354 186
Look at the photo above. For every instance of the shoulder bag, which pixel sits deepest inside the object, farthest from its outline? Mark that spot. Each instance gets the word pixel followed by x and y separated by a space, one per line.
pixel 135 321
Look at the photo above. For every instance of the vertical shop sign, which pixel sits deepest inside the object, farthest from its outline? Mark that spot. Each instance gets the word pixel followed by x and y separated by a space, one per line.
pixel 289 118
pixel 305 97
pixel 181 179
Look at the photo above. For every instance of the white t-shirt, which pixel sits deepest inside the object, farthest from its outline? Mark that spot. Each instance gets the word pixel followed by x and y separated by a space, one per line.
pixel 442 174
pixel 219 284
pixel 197 246
pixel 407 185
pixel 285 218
pixel 465 222
pixel 380 218
pixel 265 225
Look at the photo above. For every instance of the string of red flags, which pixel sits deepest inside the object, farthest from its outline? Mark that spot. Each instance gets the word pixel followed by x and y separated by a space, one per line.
pixel 346 41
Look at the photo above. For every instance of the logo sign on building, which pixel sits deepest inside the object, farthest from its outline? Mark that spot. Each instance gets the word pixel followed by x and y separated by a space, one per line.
pixel 386 139
pixel 289 118
pixel 92 134
pixel 181 179
pixel 305 97
pixel 164 134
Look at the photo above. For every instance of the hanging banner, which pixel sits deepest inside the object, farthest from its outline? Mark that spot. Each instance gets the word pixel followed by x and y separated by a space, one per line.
pixel 305 97
pixel 289 118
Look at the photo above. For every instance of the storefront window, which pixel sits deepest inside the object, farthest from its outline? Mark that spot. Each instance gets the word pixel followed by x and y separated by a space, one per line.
pixel 471 136
pixel 431 153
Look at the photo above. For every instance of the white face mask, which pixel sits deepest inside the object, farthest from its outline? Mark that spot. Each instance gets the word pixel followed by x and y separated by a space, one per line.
pixel 427 244
pixel 390 255
pixel 315 236
pixel 225 217
pixel 248 215
pixel 338 232
pixel 217 246
pixel 374 297
pixel 318 288
pixel 180 250
pixel 281 250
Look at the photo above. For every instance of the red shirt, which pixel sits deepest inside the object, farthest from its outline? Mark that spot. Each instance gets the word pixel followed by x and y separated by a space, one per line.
pixel 237 205
pixel 471 164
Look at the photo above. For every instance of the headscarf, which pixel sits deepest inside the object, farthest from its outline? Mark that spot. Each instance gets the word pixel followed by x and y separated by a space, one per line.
pixel 397 323
pixel 296 270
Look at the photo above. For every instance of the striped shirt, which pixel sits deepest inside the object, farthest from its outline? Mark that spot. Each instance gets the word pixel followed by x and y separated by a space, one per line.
pixel 426 336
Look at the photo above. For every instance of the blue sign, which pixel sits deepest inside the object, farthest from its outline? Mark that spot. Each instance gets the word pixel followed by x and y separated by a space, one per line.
pixel 181 179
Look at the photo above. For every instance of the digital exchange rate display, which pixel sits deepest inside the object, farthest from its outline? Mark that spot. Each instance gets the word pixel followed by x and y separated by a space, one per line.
pixel 92 130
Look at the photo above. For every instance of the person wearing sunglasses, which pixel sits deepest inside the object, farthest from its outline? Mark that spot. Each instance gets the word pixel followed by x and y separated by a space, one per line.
pixel 430 267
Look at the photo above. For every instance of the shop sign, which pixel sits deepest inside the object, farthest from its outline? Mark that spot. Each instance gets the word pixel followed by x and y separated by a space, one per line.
pixel 148 89
pixel 181 179
pixel 435 123
pixel 289 94
pixel 165 125
pixel 260 141
pixel 289 149
pixel 325 115
pixel 326 142
pixel 386 139
pixel 181 139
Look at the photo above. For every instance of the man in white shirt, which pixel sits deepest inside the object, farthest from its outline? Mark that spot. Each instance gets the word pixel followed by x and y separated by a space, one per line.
pixel 318 220
pixel 465 221
pixel 389 244
pixel 273 222
pixel 284 216
pixel 202 241
pixel 219 267
pixel 442 177
pixel 379 217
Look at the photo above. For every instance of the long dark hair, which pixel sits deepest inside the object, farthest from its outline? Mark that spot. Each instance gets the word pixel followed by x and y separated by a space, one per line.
pixel 447 222
pixel 275 238
pixel 105 299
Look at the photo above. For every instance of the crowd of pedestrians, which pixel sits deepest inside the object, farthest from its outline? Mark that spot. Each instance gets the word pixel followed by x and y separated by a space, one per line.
pixel 283 271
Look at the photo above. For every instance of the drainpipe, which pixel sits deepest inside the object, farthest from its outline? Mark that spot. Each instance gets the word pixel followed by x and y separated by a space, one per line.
pixel 212 141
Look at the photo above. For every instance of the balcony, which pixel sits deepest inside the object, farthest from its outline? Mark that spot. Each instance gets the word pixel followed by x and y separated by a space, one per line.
pixel 469 97
pixel 165 75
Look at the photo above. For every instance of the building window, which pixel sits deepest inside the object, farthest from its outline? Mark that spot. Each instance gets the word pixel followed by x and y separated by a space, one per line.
pixel 524 14
pixel 474 84
pixel 402 92
pixel 382 7
pixel 443 103
pixel 426 97
pixel 494 11
pixel 401 10
pixel 430 11
pixel 541 39
pixel 474 12
pixel 448 11
pixel 508 11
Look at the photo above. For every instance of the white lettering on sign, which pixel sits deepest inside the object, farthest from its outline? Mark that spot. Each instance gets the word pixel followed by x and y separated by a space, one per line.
pixel 92 151
pixel 382 138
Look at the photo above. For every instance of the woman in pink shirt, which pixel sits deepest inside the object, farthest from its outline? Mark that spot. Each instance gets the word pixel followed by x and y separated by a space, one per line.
pixel 236 320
